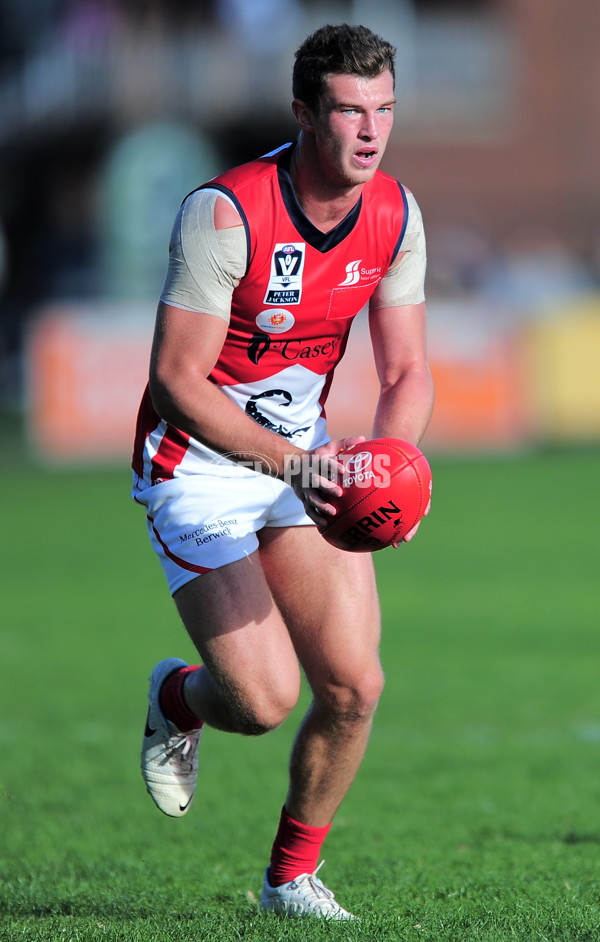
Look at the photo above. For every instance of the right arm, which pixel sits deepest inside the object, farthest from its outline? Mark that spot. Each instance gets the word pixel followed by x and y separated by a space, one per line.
pixel 187 344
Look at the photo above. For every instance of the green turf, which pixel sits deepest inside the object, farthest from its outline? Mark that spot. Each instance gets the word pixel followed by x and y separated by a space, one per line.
pixel 476 815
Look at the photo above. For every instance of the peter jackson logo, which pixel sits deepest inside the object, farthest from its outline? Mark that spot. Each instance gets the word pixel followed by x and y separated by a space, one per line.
pixel 285 280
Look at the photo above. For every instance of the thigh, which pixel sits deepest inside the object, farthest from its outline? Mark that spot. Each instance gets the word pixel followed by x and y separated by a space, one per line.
pixel 329 601
pixel 235 624
pixel 201 522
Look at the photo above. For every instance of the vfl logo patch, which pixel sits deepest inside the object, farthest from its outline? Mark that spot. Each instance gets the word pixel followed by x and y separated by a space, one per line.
pixel 276 321
pixel 285 281
pixel 352 274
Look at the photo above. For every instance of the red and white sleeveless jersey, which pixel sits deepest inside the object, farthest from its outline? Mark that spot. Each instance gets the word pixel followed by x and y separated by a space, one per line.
pixel 291 312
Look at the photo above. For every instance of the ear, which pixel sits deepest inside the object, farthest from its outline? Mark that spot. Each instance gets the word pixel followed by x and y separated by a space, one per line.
pixel 303 116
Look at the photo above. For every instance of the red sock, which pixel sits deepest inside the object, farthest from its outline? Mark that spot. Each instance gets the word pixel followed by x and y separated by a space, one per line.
pixel 295 850
pixel 172 703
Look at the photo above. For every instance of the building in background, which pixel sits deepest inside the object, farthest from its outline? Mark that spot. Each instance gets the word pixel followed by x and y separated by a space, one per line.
pixel 111 110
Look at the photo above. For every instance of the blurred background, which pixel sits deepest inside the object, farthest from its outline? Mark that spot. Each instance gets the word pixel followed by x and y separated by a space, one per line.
pixel 112 110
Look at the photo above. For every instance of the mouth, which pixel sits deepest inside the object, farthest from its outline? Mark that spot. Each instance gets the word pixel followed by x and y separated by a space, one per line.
pixel 366 157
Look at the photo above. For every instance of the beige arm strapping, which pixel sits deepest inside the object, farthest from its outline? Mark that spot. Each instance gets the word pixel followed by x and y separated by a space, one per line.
pixel 205 264
pixel 404 282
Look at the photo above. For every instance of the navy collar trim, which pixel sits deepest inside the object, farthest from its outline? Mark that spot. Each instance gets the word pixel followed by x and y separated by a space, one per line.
pixel 322 241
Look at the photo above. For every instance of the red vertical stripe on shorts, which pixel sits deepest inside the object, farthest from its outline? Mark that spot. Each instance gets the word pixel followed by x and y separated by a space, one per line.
pixel 183 563
pixel 171 450
pixel 147 420
pixel 170 453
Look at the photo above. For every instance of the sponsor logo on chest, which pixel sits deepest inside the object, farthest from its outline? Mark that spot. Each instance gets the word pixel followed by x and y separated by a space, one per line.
pixel 276 321
pixel 285 280
pixel 355 274
pixel 291 350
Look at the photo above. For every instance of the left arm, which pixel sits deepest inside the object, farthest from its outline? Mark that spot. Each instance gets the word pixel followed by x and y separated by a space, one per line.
pixel 398 335
pixel 406 387
pixel 397 322
pixel 398 332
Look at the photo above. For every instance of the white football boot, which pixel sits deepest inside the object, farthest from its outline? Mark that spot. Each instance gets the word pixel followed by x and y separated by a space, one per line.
pixel 304 896
pixel 169 757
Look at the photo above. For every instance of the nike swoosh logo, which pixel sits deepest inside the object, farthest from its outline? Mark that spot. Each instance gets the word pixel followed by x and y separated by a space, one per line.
pixel 183 808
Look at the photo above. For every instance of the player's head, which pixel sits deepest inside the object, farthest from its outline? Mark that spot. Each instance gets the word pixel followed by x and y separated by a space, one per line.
pixel 338 50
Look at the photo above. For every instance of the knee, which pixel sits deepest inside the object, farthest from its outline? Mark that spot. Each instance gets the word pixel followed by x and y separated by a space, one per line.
pixel 264 713
pixel 365 694
pixel 353 698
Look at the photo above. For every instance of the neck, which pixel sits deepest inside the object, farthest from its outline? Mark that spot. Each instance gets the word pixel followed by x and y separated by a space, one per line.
pixel 322 202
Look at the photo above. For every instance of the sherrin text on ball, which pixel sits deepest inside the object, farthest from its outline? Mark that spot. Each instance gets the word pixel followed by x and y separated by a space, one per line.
pixel 386 490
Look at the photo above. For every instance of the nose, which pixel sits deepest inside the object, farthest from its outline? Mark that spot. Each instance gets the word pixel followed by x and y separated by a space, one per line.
pixel 368 129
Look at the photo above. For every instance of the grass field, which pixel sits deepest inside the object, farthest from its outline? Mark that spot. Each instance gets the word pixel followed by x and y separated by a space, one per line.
pixel 476 815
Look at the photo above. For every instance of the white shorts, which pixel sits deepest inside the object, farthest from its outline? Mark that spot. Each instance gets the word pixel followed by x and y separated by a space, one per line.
pixel 199 522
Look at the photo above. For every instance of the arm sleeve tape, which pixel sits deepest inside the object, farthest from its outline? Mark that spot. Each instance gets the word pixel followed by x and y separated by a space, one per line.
pixel 404 282
pixel 205 264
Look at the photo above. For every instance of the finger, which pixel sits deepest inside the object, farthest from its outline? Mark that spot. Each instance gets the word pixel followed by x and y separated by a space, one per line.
pixel 320 504
pixel 408 536
pixel 343 444
pixel 328 486
pixel 333 448
pixel 324 475
pixel 319 511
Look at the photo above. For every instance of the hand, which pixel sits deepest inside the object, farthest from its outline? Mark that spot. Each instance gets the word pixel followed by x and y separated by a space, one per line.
pixel 314 478
pixel 411 533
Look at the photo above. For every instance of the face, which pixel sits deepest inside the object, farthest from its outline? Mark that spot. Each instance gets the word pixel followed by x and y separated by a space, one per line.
pixel 353 126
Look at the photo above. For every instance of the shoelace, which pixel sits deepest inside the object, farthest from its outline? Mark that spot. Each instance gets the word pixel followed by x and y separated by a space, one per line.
pixel 318 891
pixel 179 747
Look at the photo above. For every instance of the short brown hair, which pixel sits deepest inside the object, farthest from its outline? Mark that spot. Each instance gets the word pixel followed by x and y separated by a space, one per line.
pixel 338 50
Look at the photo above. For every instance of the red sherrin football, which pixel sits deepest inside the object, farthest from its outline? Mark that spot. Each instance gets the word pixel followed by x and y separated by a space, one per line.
pixel 387 487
